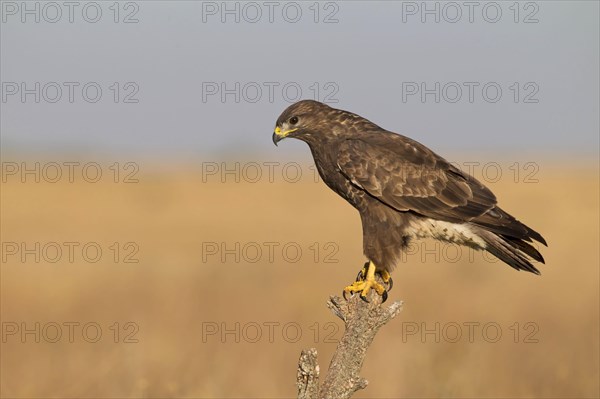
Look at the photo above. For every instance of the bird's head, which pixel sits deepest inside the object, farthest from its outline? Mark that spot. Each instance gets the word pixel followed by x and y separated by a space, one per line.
pixel 300 120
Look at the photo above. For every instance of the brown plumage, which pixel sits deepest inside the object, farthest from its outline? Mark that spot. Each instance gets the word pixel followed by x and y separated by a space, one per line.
pixel 403 190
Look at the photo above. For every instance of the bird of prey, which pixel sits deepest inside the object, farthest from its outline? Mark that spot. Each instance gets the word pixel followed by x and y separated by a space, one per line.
pixel 402 190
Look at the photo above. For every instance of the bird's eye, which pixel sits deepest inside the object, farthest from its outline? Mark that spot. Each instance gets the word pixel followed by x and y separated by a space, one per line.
pixel 293 120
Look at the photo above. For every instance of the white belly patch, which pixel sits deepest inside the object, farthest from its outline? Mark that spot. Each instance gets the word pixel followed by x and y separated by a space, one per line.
pixel 456 233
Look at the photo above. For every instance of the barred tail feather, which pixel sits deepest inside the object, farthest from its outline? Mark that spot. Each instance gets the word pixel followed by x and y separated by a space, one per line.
pixel 498 221
pixel 515 252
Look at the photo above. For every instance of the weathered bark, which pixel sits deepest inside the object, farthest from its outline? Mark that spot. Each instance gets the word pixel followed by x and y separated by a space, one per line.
pixel 362 321
pixel 308 375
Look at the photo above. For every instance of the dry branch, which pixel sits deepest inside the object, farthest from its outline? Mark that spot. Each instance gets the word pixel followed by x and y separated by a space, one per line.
pixel 362 321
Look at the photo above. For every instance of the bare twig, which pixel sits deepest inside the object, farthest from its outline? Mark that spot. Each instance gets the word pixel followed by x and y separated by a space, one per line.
pixel 362 321
pixel 308 375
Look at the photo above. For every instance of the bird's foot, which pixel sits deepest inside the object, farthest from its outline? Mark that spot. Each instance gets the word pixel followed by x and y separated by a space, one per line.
pixel 364 287
pixel 385 276
pixel 365 281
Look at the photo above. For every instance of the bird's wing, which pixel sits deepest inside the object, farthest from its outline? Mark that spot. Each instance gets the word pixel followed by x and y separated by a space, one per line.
pixel 407 176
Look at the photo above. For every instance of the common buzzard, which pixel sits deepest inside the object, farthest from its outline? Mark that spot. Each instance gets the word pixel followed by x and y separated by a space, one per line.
pixel 403 190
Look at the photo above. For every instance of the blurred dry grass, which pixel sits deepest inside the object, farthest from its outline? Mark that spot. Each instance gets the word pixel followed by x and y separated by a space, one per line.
pixel 171 293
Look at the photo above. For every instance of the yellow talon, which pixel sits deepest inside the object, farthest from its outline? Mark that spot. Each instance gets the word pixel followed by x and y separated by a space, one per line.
pixel 366 281
pixel 387 278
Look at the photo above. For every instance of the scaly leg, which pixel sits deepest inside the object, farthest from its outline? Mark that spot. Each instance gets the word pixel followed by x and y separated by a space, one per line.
pixel 387 278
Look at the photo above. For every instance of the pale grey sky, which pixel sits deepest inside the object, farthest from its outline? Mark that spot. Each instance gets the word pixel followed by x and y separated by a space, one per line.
pixel 373 58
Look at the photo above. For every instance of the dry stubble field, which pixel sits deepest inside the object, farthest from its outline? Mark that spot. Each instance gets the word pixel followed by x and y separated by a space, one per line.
pixel 203 326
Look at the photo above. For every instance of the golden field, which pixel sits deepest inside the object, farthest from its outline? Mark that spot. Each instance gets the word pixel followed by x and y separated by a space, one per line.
pixel 232 278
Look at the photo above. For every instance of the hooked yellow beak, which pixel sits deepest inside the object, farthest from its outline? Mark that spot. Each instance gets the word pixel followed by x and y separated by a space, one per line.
pixel 279 135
